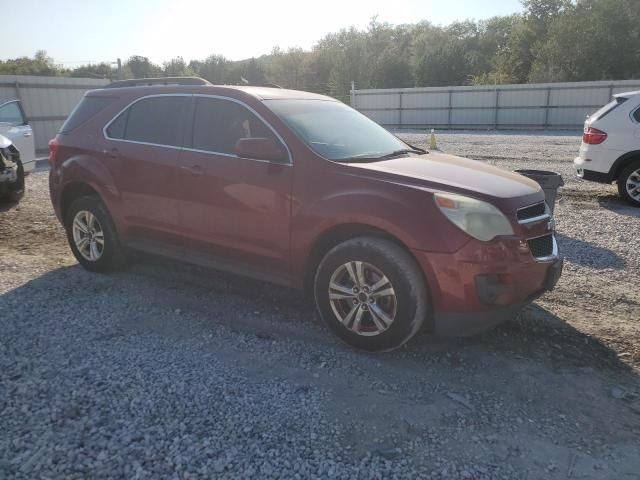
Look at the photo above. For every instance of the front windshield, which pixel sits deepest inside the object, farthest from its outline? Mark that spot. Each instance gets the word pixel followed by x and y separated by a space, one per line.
pixel 334 130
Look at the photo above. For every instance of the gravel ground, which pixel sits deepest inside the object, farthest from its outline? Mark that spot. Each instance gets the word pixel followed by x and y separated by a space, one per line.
pixel 171 371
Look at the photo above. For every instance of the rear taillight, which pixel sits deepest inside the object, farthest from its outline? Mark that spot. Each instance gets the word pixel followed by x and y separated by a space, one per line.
pixel 53 151
pixel 593 136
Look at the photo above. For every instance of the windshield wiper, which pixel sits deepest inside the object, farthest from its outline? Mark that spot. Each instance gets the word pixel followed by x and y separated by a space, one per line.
pixel 396 153
pixel 417 149
pixel 386 156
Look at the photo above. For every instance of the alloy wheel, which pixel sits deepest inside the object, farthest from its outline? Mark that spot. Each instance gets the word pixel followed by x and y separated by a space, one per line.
pixel 88 235
pixel 362 298
pixel 633 185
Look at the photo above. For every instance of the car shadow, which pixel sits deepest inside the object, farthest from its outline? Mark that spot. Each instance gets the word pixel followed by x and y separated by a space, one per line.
pixel 270 313
pixel 587 254
pixel 536 334
pixel 617 205
pixel 6 206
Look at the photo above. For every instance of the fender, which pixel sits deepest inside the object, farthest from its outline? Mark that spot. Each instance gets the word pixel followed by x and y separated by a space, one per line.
pixel 398 215
pixel 87 170
pixel 620 163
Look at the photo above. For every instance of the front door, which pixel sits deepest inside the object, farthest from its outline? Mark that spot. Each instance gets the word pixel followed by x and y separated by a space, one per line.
pixel 233 208
pixel 14 126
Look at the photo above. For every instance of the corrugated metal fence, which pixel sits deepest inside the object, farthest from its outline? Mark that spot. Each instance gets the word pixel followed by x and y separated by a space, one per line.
pixel 47 101
pixel 559 106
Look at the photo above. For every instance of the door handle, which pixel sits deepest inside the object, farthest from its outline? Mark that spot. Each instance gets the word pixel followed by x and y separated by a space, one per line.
pixel 26 134
pixel 195 170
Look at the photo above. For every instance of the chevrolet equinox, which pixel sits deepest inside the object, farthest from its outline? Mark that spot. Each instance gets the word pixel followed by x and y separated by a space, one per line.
pixel 300 189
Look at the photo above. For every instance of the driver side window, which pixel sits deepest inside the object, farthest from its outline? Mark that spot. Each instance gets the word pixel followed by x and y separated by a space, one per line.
pixel 218 124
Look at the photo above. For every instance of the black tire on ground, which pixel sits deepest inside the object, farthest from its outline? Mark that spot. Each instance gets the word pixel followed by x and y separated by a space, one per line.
pixel 412 298
pixel 622 182
pixel 113 254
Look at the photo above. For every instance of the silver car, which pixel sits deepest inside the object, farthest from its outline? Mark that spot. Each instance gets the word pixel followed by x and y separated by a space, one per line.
pixel 15 126
pixel 11 172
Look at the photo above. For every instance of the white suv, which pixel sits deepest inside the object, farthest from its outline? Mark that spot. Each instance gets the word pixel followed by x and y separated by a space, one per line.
pixel 610 150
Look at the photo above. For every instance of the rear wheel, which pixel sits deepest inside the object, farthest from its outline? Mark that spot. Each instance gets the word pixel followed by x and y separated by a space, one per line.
pixel 371 293
pixel 629 184
pixel 92 236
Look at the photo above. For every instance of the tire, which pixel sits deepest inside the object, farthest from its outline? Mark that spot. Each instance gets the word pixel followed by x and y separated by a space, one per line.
pixel 365 328
pixel 630 176
pixel 111 254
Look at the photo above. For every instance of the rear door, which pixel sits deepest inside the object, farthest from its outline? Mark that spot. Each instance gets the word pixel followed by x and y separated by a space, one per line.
pixel 234 208
pixel 14 126
pixel 143 144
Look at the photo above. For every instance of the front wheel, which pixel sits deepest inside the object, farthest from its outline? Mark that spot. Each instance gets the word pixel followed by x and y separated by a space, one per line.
pixel 629 184
pixel 371 293
pixel 92 236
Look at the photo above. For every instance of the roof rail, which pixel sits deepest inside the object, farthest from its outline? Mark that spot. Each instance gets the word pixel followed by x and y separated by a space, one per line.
pixel 147 82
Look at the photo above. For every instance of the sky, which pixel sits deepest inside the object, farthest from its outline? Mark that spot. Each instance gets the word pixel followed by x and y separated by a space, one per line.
pixel 76 32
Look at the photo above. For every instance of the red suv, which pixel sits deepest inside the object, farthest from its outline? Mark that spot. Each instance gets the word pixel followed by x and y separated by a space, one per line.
pixel 302 190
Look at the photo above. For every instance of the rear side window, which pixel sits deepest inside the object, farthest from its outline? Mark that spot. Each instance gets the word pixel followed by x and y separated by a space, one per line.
pixel 636 115
pixel 11 113
pixel 608 108
pixel 85 110
pixel 156 120
pixel 219 124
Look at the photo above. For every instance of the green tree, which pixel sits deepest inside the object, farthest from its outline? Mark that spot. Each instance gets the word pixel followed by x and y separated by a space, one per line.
pixel 254 72
pixel 176 67
pixel 141 67
pixel 99 70
pixel 286 67
pixel 40 64
pixel 595 40
pixel 214 68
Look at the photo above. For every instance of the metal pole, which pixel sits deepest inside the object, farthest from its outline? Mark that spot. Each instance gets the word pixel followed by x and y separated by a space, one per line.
pixel 353 94
pixel 18 92
pixel 546 109
pixel 495 110
pixel 449 110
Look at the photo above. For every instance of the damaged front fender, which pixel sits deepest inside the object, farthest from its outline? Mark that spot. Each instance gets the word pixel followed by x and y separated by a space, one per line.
pixel 11 172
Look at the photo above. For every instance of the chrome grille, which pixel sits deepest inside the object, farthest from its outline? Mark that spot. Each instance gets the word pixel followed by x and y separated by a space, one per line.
pixel 533 211
pixel 541 246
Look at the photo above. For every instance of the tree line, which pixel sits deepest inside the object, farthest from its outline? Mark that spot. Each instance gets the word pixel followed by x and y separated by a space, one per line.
pixel 551 41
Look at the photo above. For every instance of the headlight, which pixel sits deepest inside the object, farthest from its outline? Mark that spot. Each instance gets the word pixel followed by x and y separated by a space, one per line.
pixel 479 219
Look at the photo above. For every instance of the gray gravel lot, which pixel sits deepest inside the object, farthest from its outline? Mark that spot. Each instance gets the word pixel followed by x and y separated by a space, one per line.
pixel 171 371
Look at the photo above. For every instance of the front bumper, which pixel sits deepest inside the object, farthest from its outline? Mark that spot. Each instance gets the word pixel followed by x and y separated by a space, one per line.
pixel 484 284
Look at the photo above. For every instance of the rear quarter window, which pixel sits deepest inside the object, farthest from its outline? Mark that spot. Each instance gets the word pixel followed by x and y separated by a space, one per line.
pixel 85 110
pixel 608 108
pixel 636 115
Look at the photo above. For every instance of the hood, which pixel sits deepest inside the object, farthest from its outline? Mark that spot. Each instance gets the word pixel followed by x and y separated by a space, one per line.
pixel 448 172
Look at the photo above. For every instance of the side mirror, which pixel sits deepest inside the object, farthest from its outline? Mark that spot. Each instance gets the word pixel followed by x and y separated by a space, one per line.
pixel 260 149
